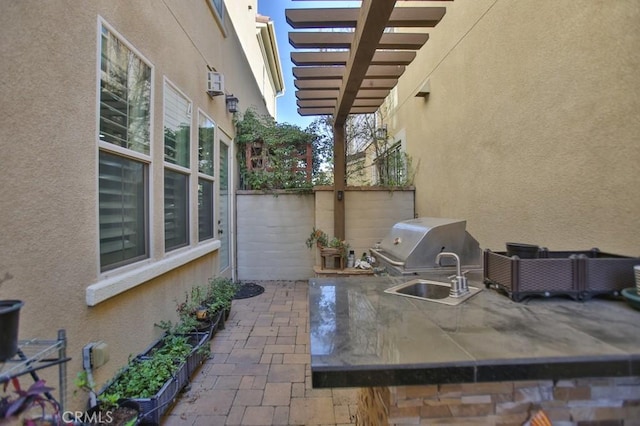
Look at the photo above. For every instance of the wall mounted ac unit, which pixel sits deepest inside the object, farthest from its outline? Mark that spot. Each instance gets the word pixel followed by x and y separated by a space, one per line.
pixel 215 83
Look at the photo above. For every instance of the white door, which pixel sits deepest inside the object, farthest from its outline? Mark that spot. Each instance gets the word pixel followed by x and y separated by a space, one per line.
pixel 224 197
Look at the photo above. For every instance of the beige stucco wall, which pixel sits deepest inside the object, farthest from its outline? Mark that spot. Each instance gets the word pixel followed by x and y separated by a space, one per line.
pixel 48 161
pixel 273 228
pixel 531 128
pixel 271 232
pixel 370 212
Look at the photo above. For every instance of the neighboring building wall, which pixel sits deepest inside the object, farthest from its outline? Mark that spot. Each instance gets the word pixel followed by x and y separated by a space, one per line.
pixel 273 228
pixel 530 131
pixel 244 14
pixel 49 165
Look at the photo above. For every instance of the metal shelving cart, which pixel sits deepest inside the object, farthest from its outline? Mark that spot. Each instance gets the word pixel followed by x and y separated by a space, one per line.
pixel 36 354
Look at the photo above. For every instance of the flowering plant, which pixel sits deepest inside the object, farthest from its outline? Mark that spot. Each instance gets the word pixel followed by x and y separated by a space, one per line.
pixel 318 237
pixel 321 239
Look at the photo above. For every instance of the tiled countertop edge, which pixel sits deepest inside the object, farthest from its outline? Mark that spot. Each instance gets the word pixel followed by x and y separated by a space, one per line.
pixel 559 369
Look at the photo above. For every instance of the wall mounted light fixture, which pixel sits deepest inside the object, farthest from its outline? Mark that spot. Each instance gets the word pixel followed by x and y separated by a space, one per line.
pixel 232 103
pixel 424 91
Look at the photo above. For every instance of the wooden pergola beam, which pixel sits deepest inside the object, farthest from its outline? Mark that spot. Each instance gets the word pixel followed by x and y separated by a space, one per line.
pixel 368 36
pixel 324 40
pixel 333 94
pixel 317 94
pixel 381 57
pixel 335 84
pixel 331 103
pixel 333 72
pixel 423 17
pixel 330 111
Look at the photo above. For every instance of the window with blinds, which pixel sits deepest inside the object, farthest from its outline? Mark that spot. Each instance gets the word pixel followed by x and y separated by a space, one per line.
pixel 206 133
pixel 177 127
pixel 205 209
pixel 124 122
pixel 176 211
pixel 125 96
pixel 177 134
pixel 122 206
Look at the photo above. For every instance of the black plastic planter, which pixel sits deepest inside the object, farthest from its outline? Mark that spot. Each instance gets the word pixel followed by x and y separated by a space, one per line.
pixel 523 251
pixel 9 322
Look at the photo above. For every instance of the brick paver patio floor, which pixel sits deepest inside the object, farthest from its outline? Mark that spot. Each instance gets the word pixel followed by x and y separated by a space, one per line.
pixel 259 371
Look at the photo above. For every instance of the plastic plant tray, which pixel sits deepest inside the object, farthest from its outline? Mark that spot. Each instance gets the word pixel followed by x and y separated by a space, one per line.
pixel 577 274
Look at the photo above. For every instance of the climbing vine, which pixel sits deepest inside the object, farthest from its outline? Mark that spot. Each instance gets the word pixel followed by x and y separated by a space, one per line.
pixel 272 155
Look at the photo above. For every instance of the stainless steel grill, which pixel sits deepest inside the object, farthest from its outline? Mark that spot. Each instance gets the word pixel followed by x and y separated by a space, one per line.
pixel 411 246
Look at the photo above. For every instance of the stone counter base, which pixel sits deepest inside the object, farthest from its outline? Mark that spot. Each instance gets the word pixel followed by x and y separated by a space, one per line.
pixel 579 402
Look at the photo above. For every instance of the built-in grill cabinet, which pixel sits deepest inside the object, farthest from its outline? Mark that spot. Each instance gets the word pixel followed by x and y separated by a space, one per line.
pixel 411 246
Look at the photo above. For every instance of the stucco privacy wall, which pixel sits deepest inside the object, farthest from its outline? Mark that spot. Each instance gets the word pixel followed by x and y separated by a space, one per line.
pixel 531 128
pixel 273 228
pixel 270 236
pixel 48 165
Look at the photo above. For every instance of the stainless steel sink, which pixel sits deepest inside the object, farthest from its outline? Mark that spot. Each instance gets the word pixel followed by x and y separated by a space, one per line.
pixel 432 291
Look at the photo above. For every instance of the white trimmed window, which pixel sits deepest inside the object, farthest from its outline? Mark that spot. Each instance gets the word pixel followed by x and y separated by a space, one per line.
pixel 206 138
pixel 124 153
pixel 177 143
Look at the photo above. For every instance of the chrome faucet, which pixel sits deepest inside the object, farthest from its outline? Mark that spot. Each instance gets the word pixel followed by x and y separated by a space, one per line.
pixel 459 285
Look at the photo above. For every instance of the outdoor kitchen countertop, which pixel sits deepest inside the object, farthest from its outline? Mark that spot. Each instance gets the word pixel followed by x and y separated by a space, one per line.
pixel 361 336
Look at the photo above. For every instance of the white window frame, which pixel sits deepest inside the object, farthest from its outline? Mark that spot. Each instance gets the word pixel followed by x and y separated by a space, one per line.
pixel 115 281
pixel 218 10
pixel 178 168
pixel 130 154
pixel 210 178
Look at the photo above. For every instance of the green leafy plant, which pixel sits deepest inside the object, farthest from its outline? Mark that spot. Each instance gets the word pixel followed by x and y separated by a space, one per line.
pixel 220 292
pixel 339 244
pixel 186 324
pixel 144 376
pixel 193 302
pixel 318 237
pixel 106 406
pixel 322 240
pixel 277 153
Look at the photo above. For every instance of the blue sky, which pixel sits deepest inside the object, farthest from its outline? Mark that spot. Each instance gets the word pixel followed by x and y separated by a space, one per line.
pixel 287 108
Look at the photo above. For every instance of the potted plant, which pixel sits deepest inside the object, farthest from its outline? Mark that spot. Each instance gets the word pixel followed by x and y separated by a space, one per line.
pixel 106 409
pixel 9 324
pixel 150 381
pixel 154 378
pixel 318 237
pixel 341 246
pixel 220 294
pixel 194 313
pixel 328 246
pixel 29 407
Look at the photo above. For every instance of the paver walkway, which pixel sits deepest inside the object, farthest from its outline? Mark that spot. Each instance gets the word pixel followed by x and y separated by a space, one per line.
pixel 259 369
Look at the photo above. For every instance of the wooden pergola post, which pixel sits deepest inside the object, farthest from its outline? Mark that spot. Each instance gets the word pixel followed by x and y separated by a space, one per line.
pixel 339 181
pixel 352 72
